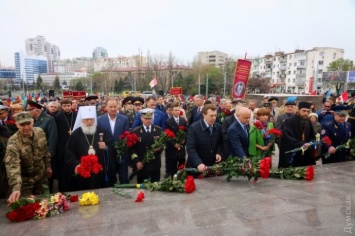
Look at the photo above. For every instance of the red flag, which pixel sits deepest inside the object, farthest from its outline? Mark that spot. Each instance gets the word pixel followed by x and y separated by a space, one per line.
pixel 8 102
pixel 344 97
pixel 38 96
pixel 314 92
pixel 241 77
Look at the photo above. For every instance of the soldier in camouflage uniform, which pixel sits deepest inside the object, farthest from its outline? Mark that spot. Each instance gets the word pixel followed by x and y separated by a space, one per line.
pixel 27 161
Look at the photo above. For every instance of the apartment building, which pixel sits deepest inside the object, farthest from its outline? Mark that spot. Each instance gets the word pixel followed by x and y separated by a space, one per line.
pixel 215 58
pixel 38 46
pixel 296 72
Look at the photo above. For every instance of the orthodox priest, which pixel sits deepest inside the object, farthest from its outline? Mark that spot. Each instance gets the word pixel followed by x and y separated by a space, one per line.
pixel 297 131
pixel 87 138
pixel 65 120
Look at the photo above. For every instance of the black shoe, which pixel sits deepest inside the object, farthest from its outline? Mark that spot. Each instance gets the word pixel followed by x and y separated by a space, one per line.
pixel 167 175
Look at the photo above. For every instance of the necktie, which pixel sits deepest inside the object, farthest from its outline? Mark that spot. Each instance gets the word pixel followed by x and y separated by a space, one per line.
pixel 199 109
pixel 342 126
pixel 177 120
pixel 211 129
pixel 273 112
pixel 246 130
pixel 147 129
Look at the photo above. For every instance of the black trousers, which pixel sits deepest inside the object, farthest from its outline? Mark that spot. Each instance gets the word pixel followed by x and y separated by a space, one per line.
pixel 143 174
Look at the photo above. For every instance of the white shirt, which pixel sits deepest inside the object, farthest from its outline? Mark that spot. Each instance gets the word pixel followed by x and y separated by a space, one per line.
pixel 150 128
pixel 112 123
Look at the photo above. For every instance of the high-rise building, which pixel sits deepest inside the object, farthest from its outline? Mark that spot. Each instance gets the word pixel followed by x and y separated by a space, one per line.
pixel 38 46
pixel 296 72
pixel 27 66
pixel 99 52
pixel 215 58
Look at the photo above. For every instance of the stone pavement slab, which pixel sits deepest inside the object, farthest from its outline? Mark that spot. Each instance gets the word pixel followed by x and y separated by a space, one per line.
pixel 240 207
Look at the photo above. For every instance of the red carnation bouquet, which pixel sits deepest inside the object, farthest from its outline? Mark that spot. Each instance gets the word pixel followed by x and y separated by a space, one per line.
pixel 89 164
pixel 223 114
pixel 274 133
pixel 306 173
pixel 181 135
pixel 126 141
pixel 159 143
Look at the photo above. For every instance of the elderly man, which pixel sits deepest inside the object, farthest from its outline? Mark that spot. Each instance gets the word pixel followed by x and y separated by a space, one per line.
pixel 204 141
pixel 297 131
pixel 52 108
pixel 290 111
pixel 27 159
pixel 89 139
pixel 238 134
pixel 197 109
pixel 339 132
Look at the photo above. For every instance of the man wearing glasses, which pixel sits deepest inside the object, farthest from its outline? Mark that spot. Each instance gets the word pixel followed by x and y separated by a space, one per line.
pixel 325 115
pixel 27 160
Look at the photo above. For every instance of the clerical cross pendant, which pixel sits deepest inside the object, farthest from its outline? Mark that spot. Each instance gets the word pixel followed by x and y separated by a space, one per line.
pixel 91 150
pixel 69 132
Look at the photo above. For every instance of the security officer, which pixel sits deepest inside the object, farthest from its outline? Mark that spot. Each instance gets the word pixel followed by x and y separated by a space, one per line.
pixel 27 161
pixel 339 132
pixel 49 126
pixel 147 133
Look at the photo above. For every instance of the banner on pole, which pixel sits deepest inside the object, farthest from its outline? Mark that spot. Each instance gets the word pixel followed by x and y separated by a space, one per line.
pixel 241 78
pixel 176 90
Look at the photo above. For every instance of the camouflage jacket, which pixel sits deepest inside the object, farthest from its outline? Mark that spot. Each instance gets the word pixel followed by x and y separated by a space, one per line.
pixel 26 158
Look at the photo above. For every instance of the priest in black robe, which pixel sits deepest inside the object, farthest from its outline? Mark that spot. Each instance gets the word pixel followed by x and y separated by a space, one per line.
pixel 65 120
pixel 297 131
pixel 86 139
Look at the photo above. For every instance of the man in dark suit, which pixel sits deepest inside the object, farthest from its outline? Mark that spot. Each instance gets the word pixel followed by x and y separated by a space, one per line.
pixel 158 117
pixel 168 114
pixel 175 152
pixel 204 141
pixel 238 134
pixel 226 124
pixel 147 133
pixel 198 100
pixel 160 104
pixel 114 125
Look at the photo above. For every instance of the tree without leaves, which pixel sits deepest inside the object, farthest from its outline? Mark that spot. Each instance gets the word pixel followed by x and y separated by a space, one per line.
pixel 258 85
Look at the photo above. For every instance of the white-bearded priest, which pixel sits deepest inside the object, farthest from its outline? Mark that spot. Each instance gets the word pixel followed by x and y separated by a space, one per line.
pixel 86 139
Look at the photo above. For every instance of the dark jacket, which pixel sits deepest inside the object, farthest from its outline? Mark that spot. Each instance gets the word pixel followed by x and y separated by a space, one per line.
pixel 226 124
pixel 170 151
pixel 201 146
pixel 238 143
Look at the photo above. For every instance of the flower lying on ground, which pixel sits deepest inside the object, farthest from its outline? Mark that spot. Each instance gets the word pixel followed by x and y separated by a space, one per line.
pixel 306 173
pixel 89 198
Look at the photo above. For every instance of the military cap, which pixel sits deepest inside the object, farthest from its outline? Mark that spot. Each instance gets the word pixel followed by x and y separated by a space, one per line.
pixel 31 104
pixel 341 110
pixel 273 99
pixel 266 96
pixel 137 100
pixel 4 109
pixel 266 104
pixel 127 99
pixel 91 97
pixel 147 113
pixel 291 101
pixel 23 117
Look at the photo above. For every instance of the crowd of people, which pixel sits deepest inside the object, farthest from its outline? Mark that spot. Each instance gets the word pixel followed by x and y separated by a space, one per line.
pixel 45 140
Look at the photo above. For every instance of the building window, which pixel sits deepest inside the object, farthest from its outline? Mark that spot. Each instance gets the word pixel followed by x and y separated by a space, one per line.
pixel 288 80
pixel 273 73
pixel 294 80
pixel 274 66
pixel 290 56
pixel 289 64
pixel 320 63
pixel 321 54
pixel 302 63
pixel 295 64
pixel 294 72
pixel 320 71
pixel 289 72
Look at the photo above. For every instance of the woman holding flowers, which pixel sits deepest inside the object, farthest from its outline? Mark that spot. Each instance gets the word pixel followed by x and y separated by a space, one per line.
pixel 260 141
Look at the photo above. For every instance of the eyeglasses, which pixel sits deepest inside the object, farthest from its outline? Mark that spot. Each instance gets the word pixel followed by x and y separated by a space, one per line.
pixel 25 123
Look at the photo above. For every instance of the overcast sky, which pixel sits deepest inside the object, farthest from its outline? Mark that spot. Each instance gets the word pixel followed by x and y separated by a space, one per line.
pixel 184 27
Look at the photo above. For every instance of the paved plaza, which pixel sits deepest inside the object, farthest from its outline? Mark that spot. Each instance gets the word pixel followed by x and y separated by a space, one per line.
pixel 240 207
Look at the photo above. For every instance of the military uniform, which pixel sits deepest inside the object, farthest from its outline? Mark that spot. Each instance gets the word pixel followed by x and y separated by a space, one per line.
pixel 338 135
pixel 152 169
pixel 26 161
pixel 49 126
pixel 131 115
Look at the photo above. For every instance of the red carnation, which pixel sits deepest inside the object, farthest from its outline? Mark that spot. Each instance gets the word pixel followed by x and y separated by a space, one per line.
pixel 258 125
pixel 309 173
pixel 190 184
pixel 140 197
pixel 12 215
pixel 181 113
pixel 182 166
pixel 327 140
pixel 181 127
pixel 264 167
pixel 275 132
pixel 74 198
pixel 169 133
